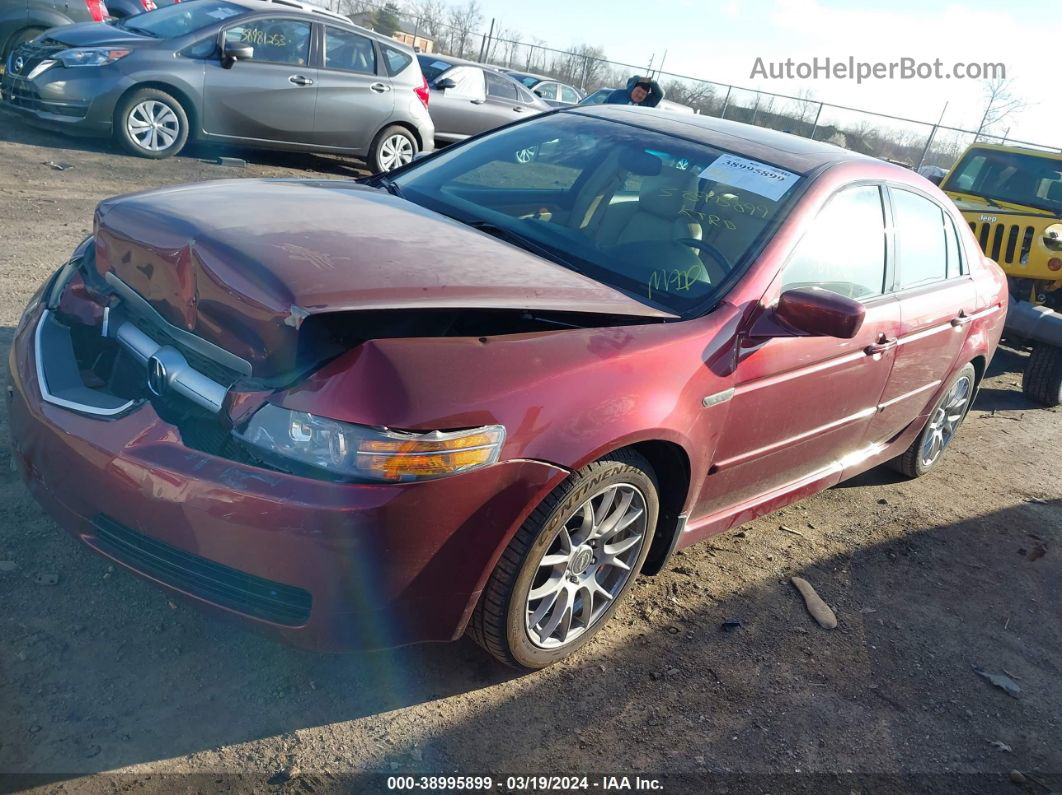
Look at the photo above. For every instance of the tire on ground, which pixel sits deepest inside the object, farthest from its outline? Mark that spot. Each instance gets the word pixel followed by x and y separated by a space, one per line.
pixel 377 159
pixel 1042 380
pixel 131 101
pixel 498 622
pixel 910 463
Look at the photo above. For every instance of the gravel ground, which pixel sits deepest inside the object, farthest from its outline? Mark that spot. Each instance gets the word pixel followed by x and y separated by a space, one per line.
pixel 930 579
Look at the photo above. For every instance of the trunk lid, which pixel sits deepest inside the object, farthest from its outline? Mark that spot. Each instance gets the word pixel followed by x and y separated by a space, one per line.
pixel 244 263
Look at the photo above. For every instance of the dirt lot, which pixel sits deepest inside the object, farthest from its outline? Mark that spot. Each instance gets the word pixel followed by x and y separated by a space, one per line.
pixel 930 579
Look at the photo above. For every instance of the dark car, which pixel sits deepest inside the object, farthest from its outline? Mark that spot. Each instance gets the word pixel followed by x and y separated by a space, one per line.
pixel 279 75
pixel 555 93
pixel 468 98
pixel 480 395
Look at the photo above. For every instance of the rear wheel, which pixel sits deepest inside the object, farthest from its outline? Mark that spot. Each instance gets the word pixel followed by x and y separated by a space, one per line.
pixel 944 421
pixel 570 565
pixel 151 123
pixel 395 146
pixel 1042 381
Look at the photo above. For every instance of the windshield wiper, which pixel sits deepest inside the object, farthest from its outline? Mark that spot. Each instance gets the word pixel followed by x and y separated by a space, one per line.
pixel 508 235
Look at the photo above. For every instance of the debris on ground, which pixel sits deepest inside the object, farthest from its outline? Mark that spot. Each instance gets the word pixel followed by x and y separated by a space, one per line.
pixel 1002 681
pixel 819 610
pixel 1002 746
pixel 790 530
pixel 47 579
pixel 233 162
pixel 1017 777
pixel 58 166
pixel 730 624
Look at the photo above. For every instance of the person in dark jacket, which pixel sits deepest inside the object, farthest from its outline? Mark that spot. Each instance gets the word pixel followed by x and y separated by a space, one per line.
pixel 640 90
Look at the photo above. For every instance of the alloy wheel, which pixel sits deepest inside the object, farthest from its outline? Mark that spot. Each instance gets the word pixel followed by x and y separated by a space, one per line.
pixel 395 151
pixel 153 125
pixel 945 420
pixel 586 565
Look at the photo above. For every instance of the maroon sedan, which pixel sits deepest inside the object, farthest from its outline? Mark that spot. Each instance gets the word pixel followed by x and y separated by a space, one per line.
pixel 483 393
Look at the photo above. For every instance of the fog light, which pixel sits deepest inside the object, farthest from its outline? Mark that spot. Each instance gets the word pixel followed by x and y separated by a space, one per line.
pixel 1054 264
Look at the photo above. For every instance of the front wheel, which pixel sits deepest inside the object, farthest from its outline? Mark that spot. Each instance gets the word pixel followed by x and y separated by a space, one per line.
pixel 1042 380
pixel 151 123
pixel 943 423
pixel 570 564
pixel 392 148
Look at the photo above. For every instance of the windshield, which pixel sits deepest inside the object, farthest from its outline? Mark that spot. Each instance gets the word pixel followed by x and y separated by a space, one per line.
pixel 181 18
pixel 432 67
pixel 665 220
pixel 1010 176
pixel 528 80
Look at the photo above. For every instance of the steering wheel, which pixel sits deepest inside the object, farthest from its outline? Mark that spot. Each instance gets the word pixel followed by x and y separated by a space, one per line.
pixel 709 249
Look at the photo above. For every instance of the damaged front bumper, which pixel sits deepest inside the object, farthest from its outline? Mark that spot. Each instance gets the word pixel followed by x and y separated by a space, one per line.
pixel 321 564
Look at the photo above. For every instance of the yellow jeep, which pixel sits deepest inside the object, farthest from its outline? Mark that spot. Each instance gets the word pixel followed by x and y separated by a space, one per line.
pixel 1012 199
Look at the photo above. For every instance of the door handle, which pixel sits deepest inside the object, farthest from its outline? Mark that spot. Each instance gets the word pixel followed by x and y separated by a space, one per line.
pixel 518 109
pixel 299 80
pixel 883 344
pixel 379 88
pixel 961 320
pixel 477 101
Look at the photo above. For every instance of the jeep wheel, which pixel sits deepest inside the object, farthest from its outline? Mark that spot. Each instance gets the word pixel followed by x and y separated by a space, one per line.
pixel 570 564
pixel 1042 380
pixel 944 421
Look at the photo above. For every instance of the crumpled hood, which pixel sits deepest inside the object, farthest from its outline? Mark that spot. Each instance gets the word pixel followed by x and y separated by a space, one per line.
pixel 96 34
pixel 243 263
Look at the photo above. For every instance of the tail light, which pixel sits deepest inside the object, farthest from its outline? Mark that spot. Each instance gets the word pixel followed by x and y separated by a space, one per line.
pixel 422 92
pixel 97 10
pixel 149 5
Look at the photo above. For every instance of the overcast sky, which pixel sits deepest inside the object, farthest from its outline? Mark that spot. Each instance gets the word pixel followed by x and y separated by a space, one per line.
pixel 721 41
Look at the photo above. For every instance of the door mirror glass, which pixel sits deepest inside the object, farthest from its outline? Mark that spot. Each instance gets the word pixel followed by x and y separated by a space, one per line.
pixel 445 83
pixel 820 313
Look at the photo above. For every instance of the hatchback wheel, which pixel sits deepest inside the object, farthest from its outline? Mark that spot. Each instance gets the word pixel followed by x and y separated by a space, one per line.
pixel 392 148
pixel 151 123
pixel 944 421
pixel 570 565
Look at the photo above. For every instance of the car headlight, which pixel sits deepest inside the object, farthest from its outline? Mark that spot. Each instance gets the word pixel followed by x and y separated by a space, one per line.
pixel 90 56
pixel 298 441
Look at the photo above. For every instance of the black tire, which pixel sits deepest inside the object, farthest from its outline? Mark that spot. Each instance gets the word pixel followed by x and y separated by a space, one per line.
pixel 913 463
pixel 498 623
pixel 17 40
pixel 180 127
pixel 385 148
pixel 1042 380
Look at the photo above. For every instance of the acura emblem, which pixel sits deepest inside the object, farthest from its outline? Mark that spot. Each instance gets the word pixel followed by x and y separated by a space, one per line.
pixel 156 376
pixel 18 64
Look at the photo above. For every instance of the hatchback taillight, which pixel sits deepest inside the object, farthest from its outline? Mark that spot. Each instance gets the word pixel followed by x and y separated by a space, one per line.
pixel 97 10
pixel 149 5
pixel 422 92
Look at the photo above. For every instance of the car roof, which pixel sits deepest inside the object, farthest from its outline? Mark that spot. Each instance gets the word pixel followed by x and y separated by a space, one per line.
pixel 453 61
pixel 295 6
pixel 788 151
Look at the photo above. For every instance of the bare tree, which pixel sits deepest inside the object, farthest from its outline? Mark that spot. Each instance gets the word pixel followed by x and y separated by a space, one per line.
pixel 429 16
pixel 1000 103
pixel 464 22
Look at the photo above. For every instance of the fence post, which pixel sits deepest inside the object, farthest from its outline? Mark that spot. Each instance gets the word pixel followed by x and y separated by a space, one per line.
pixel 925 149
pixel 726 101
pixel 815 124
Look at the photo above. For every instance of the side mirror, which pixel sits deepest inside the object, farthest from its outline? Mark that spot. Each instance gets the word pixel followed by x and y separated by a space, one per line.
pixel 445 83
pixel 936 179
pixel 538 93
pixel 234 52
pixel 820 313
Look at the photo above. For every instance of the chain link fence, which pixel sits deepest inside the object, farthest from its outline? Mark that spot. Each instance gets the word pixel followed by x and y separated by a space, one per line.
pixel 452 31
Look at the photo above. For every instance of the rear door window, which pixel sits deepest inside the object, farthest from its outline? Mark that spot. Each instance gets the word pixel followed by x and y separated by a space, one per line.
pixel 396 60
pixel 921 248
pixel 546 90
pixel 348 51
pixel 284 41
pixel 501 87
pixel 844 250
